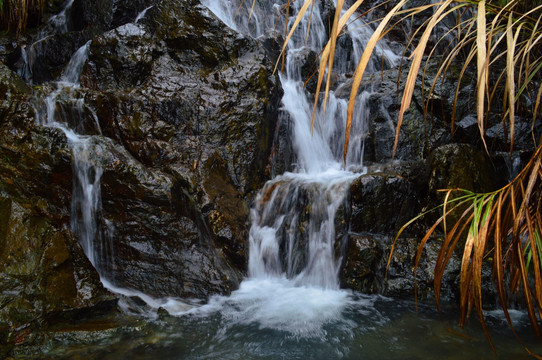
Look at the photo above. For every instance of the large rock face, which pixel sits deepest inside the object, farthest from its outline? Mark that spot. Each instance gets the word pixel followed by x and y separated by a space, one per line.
pixel 181 114
pixel 44 269
pixel 192 107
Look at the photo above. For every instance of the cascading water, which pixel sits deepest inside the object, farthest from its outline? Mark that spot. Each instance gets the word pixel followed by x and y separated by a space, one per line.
pixel 295 249
pixel 294 254
pixel 56 24
pixel 86 165
pixel 63 109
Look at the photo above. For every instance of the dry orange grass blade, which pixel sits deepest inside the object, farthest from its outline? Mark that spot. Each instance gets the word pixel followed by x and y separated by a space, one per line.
pixel 535 111
pixel 482 67
pixel 527 291
pixel 478 258
pixel 309 24
pixel 415 67
pixel 445 253
pixel 510 84
pixel 251 9
pixel 324 57
pixel 498 271
pixel 332 43
pixel 360 69
pixel 535 259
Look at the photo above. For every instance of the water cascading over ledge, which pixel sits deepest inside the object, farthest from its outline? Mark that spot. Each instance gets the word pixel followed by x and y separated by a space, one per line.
pixel 293 220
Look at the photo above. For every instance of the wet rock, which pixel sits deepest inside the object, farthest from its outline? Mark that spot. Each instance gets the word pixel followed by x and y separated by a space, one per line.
pixel 461 166
pixel 35 161
pixel 525 131
pixel 366 268
pixel 309 65
pixel 361 268
pixel 217 92
pixel 150 228
pixel 401 281
pixel 43 56
pixel 282 156
pixel 420 133
pixel 204 113
pixel 95 17
pixel 44 269
pixel 385 199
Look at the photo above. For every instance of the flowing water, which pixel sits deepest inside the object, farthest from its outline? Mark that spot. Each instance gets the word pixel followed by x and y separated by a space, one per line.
pixel 295 249
pixel 290 306
pixel 87 170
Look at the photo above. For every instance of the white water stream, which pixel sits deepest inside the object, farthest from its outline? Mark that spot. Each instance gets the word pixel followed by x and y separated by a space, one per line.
pixel 294 254
pixel 87 171
pixel 86 153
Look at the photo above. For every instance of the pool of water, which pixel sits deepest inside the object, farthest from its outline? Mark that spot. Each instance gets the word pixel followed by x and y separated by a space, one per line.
pixel 307 324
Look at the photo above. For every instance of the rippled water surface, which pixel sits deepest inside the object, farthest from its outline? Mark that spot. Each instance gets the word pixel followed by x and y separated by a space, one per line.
pixel 305 323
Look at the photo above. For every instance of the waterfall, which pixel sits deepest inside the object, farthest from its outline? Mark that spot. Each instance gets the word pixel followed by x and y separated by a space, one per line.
pixel 63 109
pixel 309 197
pixel 57 24
pixel 294 246
pixel 87 171
pixel 142 14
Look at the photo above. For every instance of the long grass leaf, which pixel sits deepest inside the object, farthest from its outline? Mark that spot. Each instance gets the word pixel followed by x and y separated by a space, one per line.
pixel 414 68
pixel 535 111
pixel 536 263
pixel 325 57
pixel 360 69
pixel 510 84
pixel 332 43
pixel 526 290
pixel 482 66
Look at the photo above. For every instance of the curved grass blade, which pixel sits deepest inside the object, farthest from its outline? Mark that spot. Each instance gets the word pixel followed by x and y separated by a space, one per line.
pixel 360 69
pixel 414 68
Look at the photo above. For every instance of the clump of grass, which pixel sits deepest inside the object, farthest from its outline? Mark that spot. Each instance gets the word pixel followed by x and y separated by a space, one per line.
pixel 505 226
pixel 14 13
pixel 502 41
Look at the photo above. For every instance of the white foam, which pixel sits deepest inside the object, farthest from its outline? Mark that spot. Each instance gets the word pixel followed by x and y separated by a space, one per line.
pixel 280 304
